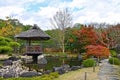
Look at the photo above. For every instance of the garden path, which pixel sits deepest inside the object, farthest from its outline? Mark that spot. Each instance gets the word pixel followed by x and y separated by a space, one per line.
pixel 107 71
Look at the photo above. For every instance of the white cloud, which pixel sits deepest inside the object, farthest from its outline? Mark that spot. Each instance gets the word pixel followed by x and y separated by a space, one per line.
pixel 99 11
pixel 47 11
pixel 10 11
pixel 84 11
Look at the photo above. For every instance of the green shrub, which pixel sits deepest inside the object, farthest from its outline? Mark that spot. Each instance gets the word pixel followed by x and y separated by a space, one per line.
pixel 114 60
pixel 89 63
pixel 8 39
pixel 3 43
pixel 14 44
pixel 5 49
pixel 7 45
pixel 113 53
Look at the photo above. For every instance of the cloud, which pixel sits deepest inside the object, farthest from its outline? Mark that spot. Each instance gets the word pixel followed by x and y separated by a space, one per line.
pixel 40 11
pixel 10 11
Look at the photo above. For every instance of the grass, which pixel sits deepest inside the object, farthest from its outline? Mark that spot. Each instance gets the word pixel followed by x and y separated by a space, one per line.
pixel 118 70
pixel 80 74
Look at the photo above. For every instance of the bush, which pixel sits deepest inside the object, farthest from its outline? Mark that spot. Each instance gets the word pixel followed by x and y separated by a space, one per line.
pixel 89 63
pixel 7 45
pixel 5 49
pixel 113 53
pixel 14 44
pixel 3 43
pixel 114 60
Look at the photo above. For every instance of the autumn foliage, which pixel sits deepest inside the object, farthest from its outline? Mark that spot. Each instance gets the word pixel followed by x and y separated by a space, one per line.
pixel 95 42
pixel 8 30
pixel 97 51
pixel 113 34
pixel 86 35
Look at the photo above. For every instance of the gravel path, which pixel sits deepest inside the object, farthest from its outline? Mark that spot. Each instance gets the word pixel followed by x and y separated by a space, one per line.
pixel 107 71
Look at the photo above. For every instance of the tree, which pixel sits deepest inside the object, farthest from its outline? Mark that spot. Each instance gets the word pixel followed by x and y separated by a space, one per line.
pixel 8 30
pixel 86 35
pixel 97 51
pixel 61 20
pixel 113 33
pixel 53 42
pixel 71 40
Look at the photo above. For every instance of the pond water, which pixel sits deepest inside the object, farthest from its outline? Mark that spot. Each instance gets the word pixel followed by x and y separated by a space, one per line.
pixel 55 62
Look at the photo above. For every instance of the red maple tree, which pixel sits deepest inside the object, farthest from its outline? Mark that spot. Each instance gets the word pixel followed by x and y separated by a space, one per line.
pixel 86 35
pixel 97 51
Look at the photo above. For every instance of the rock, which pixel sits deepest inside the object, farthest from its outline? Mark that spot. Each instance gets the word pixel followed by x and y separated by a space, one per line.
pixel 13 58
pixel 7 62
pixel 0 74
pixel 39 74
pixel 14 69
pixel 27 59
pixel 75 68
pixel 60 70
pixel 47 72
pixel 29 74
pixel 118 56
pixel 9 75
pixel 66 67
pixel 42 60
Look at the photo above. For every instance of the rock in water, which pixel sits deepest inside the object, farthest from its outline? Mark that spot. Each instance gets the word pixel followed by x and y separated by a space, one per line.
pixel 42 60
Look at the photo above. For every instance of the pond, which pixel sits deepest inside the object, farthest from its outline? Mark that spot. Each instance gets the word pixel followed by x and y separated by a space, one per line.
pixel 55 62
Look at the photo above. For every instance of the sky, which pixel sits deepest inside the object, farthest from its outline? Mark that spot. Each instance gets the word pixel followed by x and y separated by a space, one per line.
pixel 40 11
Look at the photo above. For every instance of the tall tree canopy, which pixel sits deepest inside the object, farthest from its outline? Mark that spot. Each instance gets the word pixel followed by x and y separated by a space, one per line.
pixel 61 20
pixel 7 29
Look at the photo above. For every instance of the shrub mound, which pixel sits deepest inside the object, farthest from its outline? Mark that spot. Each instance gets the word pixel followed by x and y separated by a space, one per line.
pixel 114 60
pixel 113 53
pixel 89 63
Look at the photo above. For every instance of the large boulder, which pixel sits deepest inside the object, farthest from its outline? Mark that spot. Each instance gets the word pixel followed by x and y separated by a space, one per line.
pixel 60 70
pixel 66 67
pixel 75 68
pixel 7 63
pixel 29 74
pixel 9 75
pixel 13 58
pixel 47 72
pixel 42 60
